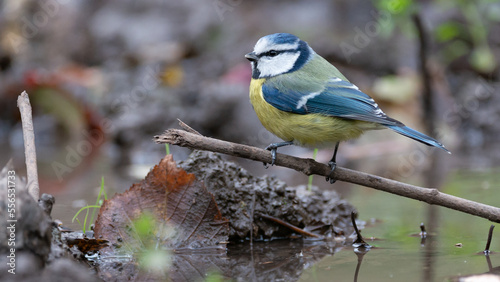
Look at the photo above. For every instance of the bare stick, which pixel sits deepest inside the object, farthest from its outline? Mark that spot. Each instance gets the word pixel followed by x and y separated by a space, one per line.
pixel 309 166
pixel 359 242
pixel 23 103
pixel 423 233
pixel 290 226
pixel 188 128
pixel 488 242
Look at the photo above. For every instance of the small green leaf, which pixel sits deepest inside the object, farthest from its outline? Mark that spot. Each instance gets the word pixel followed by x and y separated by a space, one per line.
pixel 145 224
pixel 482 59
pixel 447 31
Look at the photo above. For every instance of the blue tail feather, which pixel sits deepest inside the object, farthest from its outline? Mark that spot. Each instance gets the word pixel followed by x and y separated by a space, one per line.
pixel 413 134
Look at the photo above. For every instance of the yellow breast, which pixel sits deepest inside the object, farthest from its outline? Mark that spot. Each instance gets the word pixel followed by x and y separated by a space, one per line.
pixel 313 130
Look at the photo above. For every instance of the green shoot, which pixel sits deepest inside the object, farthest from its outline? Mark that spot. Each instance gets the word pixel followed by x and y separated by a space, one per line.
pixel 84 226
pixel 98 203
pixel 310 183
pixel 167 148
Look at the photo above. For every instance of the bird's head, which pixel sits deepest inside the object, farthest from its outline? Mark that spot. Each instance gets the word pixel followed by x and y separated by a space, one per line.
pixel 277 54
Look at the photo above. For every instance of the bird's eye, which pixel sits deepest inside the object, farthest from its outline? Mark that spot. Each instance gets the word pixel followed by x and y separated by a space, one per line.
pixel 273 53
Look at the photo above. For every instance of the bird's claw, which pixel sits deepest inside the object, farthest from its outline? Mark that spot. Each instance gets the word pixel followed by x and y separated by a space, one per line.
pixel 273 150
pixel 330 178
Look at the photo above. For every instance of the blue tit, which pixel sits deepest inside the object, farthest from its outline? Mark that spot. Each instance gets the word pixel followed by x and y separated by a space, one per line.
pixel 304 100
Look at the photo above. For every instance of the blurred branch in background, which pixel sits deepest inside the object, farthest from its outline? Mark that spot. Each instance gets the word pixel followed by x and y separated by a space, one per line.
pixel 429 116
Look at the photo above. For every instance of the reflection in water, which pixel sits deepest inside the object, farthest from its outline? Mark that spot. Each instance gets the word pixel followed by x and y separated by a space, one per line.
pixel 360 253
pixel 434 177
pixel 283 260
pixel 488 261
pixel 430 245
pixel 423 234
pixel 493 273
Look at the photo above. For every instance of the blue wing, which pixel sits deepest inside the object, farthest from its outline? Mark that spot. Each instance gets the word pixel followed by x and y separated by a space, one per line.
pixel 336 98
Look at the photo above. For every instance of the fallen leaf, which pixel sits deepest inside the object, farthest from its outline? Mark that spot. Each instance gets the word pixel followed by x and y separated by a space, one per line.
pixel 186 214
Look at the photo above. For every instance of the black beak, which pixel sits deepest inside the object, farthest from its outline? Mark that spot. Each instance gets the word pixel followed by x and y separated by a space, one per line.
pixel 251 57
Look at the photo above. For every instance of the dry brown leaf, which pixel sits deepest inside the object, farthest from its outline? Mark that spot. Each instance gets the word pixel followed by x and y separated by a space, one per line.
pixel 186 214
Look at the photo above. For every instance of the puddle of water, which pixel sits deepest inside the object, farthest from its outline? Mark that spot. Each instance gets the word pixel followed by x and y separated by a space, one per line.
pixel 401 257
pixel 397 256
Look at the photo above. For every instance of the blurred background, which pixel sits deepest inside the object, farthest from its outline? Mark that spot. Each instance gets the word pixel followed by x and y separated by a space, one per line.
pixel 105 76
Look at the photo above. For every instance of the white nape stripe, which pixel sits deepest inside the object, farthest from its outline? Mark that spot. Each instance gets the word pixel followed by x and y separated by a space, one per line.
pixel 303 101
pixel 335 79
pixel 264 45
pixel 353 87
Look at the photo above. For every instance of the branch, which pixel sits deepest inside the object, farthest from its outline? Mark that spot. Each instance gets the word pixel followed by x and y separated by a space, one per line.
pixel 309 166
pixel 23 103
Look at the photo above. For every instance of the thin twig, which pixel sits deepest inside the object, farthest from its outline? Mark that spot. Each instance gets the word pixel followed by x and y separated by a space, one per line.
pixel 488 242
pixel 359 242
pixel 188 128
pixel 23 103
pixel 423 233
pixel 310 166
pixel 288 225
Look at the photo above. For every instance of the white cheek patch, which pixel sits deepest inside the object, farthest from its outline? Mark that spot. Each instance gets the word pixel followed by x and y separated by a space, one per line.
pixel 277 65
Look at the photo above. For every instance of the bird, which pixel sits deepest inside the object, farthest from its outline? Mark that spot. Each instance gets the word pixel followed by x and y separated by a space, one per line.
pixel 306 101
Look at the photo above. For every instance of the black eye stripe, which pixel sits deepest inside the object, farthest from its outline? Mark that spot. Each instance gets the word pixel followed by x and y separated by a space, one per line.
pixel 269 53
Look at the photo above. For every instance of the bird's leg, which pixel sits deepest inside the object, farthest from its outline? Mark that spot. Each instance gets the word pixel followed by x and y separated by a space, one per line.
pixel 273 147
pixel 333 164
